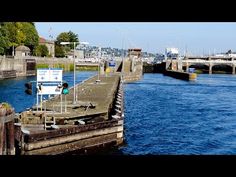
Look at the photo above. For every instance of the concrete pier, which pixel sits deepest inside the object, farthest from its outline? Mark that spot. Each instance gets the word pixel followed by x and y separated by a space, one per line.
pixel 95 120
pixel 60 125
pixel 181 75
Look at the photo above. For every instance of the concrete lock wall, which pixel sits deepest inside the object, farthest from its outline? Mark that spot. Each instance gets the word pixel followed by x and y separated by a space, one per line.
pixel 10 64
pixel 20 66
pixel 7 64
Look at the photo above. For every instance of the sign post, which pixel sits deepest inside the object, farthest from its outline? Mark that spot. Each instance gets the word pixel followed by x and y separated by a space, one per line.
pixel 48 83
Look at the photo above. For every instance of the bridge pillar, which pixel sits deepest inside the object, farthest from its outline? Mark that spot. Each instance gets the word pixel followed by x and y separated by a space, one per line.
pixel 233 69
pixel 168 63
pixel 174 65
pixel 180 65
pixel 210 68
pixel 187 66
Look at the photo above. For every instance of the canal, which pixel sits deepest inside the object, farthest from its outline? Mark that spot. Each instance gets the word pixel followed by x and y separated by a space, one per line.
pixel 164 115
pixel 13 90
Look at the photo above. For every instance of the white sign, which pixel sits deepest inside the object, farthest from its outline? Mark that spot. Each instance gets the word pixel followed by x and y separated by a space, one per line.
pixel 49 75
pixel 43 75
pixel 56 75
pixel 50 90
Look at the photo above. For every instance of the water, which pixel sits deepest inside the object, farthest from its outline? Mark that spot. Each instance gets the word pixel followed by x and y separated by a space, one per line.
pixel 13 90
pixel 164 115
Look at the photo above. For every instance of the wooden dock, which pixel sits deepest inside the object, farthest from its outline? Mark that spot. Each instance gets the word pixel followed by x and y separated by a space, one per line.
pixel 94 121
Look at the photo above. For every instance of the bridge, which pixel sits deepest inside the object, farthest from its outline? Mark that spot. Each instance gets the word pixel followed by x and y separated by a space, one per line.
pixel 207 61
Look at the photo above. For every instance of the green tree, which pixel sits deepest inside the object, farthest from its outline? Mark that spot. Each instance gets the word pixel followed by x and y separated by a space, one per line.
pixel 59 51
pixel 10 34
pixel 4 41
pixel 41 50
pixel 73 38
pixel 32 37
pixel 62 37
pixel 19 33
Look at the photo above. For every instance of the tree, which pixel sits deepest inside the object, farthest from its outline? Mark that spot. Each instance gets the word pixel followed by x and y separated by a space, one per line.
pixel 65 37
pixel 59 51
pixel 41 50
pixel 32 37
pixel 4 41
pixel 62 37
pixel 10 35
pixel 18 33
pixel 73 38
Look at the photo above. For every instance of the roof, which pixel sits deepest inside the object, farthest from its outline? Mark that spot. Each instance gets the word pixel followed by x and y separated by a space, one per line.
pixel 43 40
pixel 22 48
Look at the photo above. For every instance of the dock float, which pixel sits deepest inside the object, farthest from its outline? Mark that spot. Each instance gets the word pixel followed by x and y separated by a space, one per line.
pixel 181 75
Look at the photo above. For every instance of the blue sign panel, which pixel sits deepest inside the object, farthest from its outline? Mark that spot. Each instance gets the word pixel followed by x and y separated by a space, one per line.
pixel 112 63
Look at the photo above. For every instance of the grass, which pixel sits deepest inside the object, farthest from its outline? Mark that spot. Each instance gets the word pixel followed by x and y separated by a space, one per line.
pixel 87 68
pixel 69 67
pixel 42 66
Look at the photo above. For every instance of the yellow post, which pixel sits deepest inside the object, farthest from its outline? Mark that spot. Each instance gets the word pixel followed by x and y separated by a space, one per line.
pixel 108 70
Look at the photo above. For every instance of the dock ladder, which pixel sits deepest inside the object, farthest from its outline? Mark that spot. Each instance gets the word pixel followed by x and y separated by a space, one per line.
pixel 48 122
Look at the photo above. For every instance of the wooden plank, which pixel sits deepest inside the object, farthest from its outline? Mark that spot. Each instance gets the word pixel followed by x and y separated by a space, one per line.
pixel 10 138
pixel 71 138
pixel 4 150
pixel 9 118
pixel 68 131
pixel 81 144
pixel 1 137
pixel 17 132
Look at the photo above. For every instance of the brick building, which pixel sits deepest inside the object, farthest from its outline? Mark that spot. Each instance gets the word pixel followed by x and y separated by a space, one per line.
pixel 50 45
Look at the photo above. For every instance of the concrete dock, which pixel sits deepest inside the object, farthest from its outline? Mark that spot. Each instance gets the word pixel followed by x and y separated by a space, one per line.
pixel 96 119
pixel 181 75
pixel 92 118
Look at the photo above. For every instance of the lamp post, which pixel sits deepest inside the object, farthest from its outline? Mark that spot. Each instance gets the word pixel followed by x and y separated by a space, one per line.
pixel 75 96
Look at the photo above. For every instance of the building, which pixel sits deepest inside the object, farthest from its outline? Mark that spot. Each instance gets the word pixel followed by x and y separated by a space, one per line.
pixel 134 52
pixel 78 54
pixel 172 53
pixel 49 44
pixel 22 51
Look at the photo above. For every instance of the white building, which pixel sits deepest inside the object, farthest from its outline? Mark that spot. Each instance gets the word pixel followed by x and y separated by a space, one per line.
pixel 171 53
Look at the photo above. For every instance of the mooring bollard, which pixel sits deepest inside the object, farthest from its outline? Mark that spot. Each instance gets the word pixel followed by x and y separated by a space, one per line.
pixel 1 135
pixel 7 137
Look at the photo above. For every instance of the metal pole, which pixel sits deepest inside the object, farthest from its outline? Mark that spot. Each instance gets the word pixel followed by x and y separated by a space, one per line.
pixel 61 102
pixel 65 104
pixel 45 107
pixel 74 76
pixel 37 101
pixel 13 51
pixel 99 57
pixel 98 68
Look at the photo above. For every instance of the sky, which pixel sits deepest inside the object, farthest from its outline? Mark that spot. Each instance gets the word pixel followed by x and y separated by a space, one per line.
pixel 195 38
